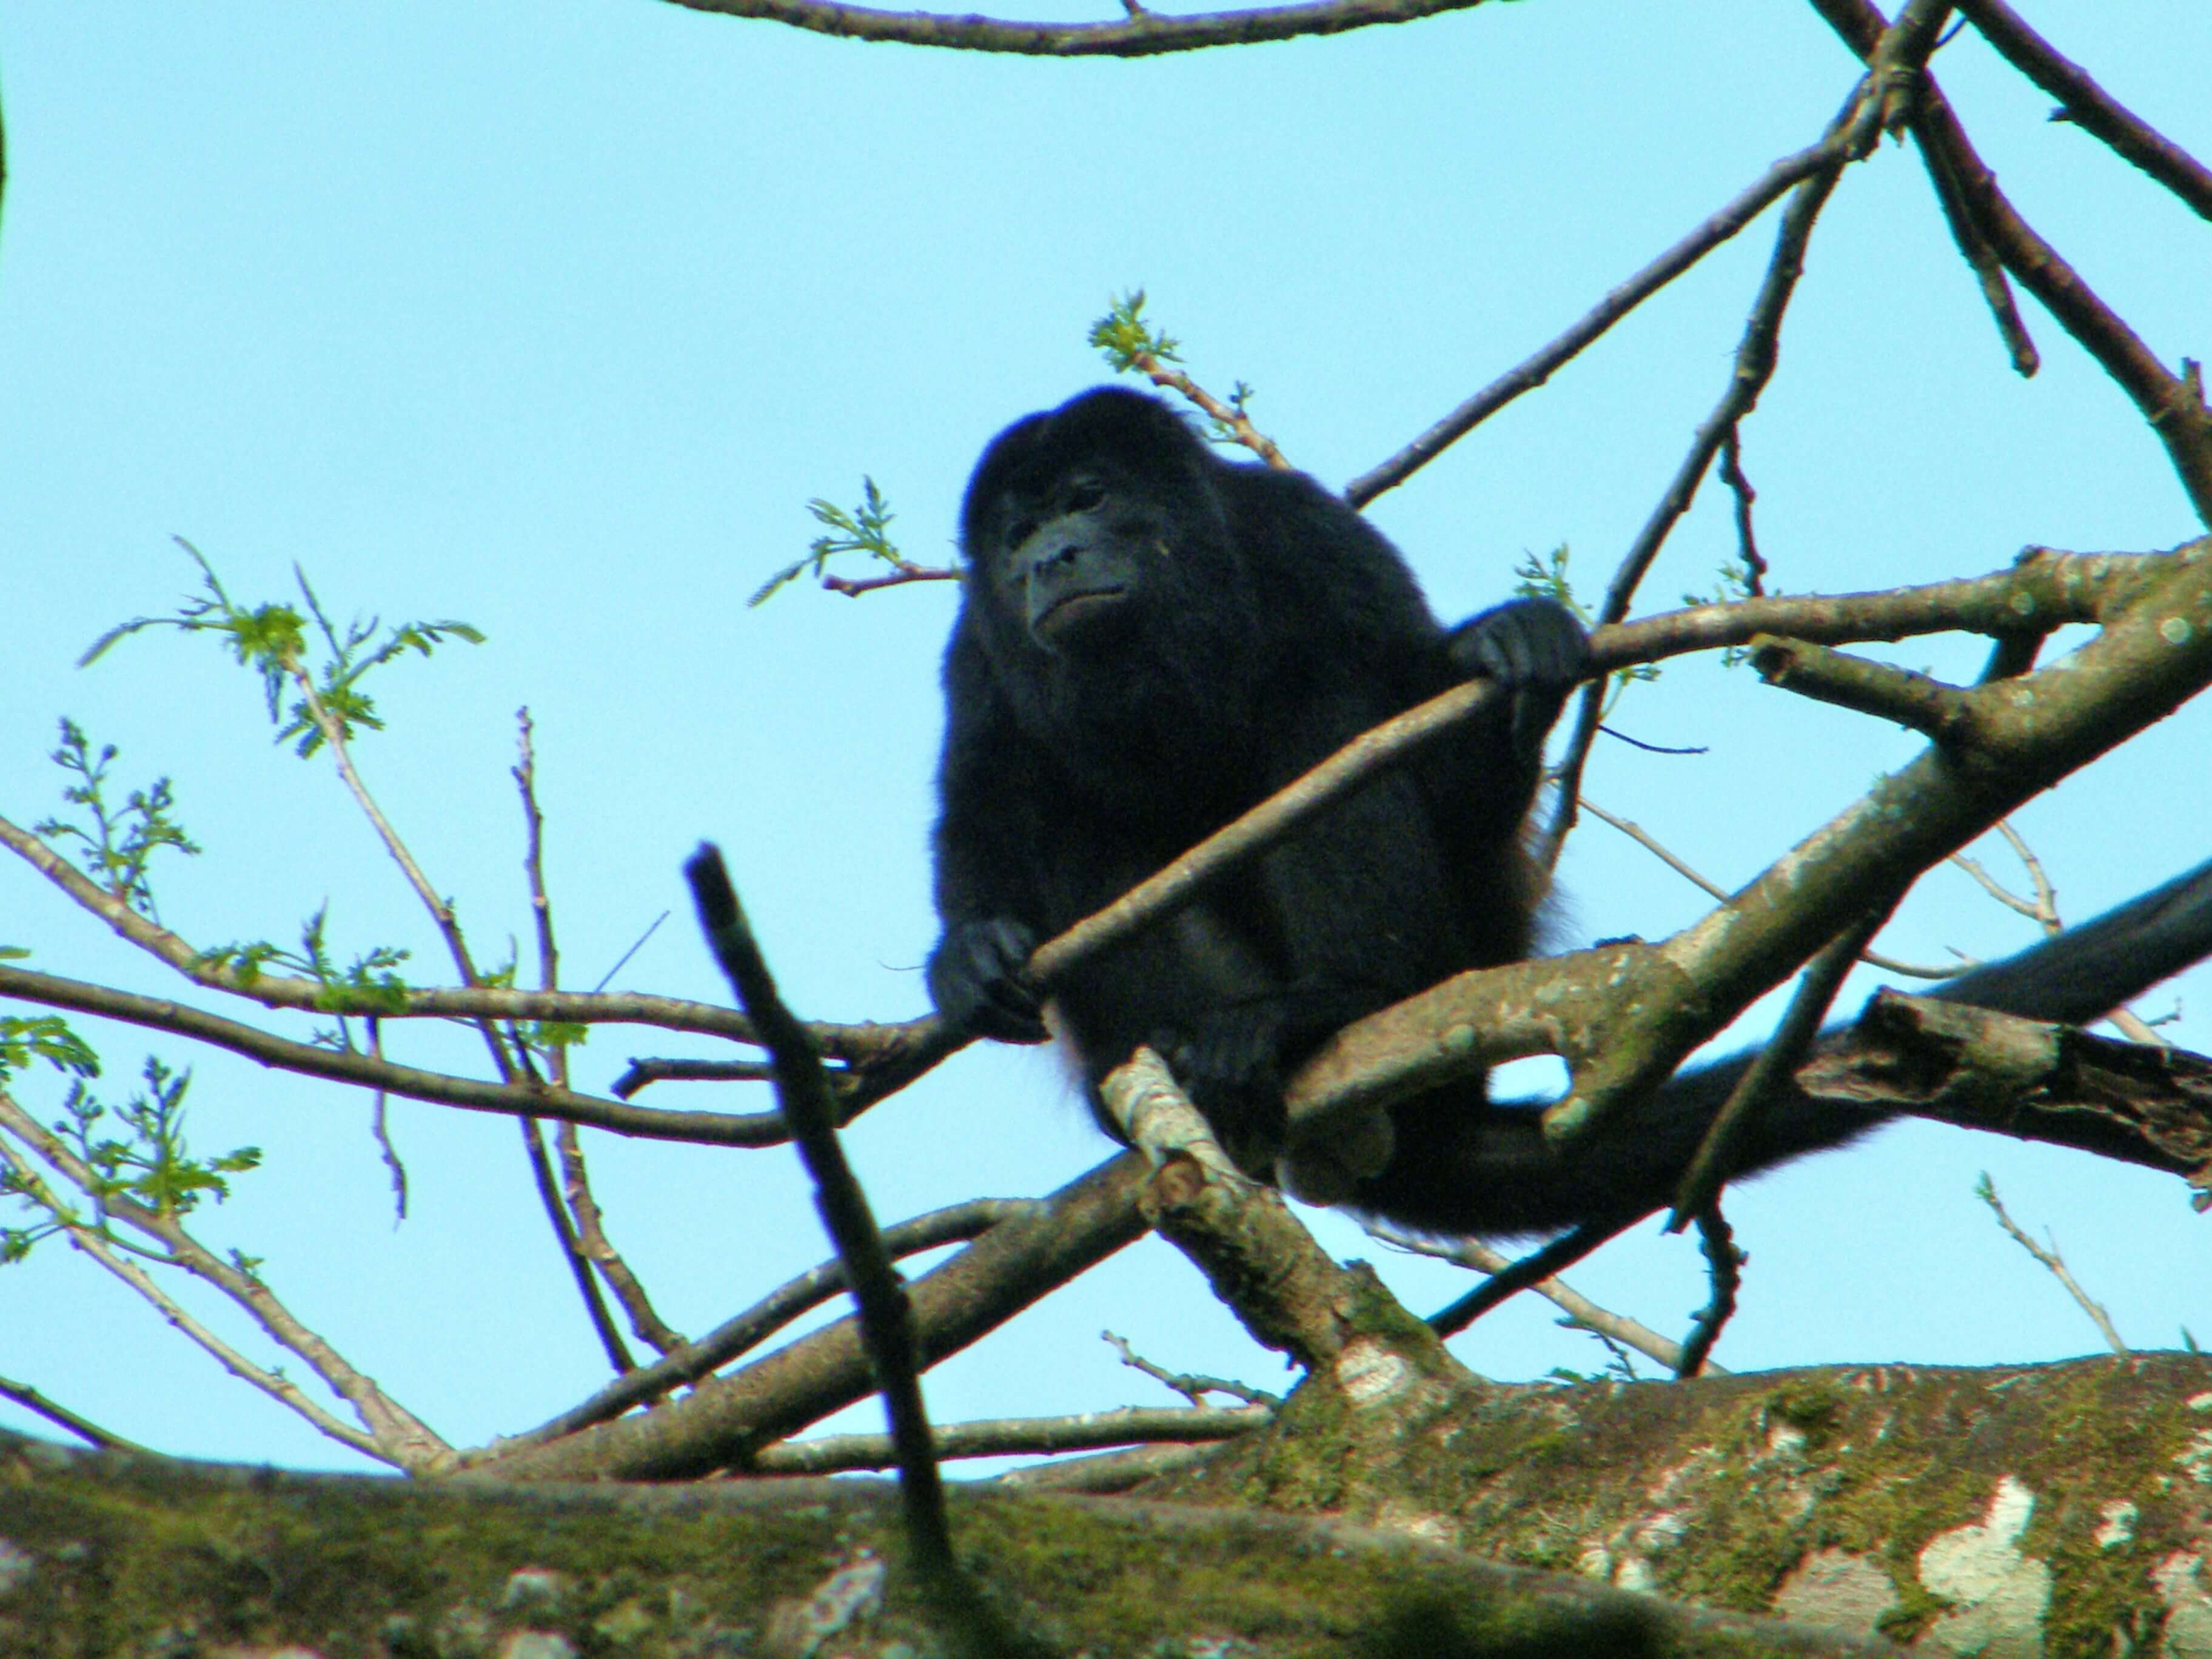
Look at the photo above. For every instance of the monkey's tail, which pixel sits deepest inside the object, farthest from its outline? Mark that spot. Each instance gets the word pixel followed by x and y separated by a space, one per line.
pixel 1469 1166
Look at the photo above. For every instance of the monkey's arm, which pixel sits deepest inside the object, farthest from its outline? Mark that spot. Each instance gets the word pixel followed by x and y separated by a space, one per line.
pixel 1498 1177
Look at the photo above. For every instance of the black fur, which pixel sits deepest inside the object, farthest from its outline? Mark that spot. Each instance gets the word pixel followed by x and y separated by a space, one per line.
pixel 1151 640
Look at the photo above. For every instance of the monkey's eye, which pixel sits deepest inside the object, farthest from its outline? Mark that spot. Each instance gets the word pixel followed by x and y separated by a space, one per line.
pixel 1083 494
pixel 1020 528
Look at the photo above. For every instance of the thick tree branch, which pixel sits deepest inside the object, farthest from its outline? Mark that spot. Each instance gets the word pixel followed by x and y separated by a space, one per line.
pixel 1625 1015
pixel 953 1224
pixel 1966 1066
pixel 2042 589
pixel 723 1420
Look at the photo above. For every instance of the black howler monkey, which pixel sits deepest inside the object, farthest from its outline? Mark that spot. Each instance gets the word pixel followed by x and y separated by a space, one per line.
pixel 1152 639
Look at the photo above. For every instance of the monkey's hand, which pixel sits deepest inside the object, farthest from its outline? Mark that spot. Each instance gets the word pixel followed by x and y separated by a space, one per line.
pixel 1230 1066
pixel 1535 649
pixel 979 978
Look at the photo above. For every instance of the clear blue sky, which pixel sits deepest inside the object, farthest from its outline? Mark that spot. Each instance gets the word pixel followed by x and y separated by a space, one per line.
pixel 552 317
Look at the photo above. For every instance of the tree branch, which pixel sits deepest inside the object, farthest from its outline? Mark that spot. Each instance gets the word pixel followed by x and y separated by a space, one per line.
pixel 1129 1425
pixel 1141 35
pixel 2089 106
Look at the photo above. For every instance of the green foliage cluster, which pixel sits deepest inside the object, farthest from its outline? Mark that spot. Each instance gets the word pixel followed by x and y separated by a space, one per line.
pixel 119 842
pixel 1129 341
pixel 272 640
pixel 1133 346
pixel 28 1037
pixel 865 529
pixel 1738 581
pixel 148 1163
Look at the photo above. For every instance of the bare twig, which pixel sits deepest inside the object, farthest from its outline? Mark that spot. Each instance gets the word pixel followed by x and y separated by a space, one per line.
pixel 640 1074
pixel 885 1318
pixel 769 1315
pixel 1724 1262
pixel 572 1251
pixel 380 1131
pixel 1130 1425
pixel 1985 1189
pixel 1644 839
pixel 395 1436
pixel 1529 1271
pixel 1534 371
pixel 572 1211
pixel 1699 1190
pixel 853 586
pixel 62 1417
pixel 1191 1387
pixel 2089 106
pixel 1141 34
pixel 1230 415
pixel 1746 540
pixel 1579 1309
pixel 2043 910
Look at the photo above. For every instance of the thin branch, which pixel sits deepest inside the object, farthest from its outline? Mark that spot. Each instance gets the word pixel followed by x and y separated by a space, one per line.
pixel 1747 538
pixel 2046 910
pixel 1755 357
pixel 2043 910
pixel 642 1074
pixel 572 1251
pixel 879 1298
pixel 574 1212
pixel 89 1241
pixel 380 1131
pixel 2089 106
pixel 2172 403
pixel 1981 259
pixel 1644 839
pixel 1528 1271
pixel 1141 35
pixel 1699 1190
pixel 442 912
pixel 1579 1309
pixel 363 1071
pixel 853 586
pixel 1129 1425
pixel 1193 1389
pixel 733 1337
pixel 1986 1190
pixel 62 1417
pixel 1230 415
pixel 1724 1263
pixel 863 1044
pixel 1536 369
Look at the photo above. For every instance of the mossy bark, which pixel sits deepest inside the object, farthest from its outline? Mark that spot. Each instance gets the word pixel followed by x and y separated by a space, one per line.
pixel 2063 1510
